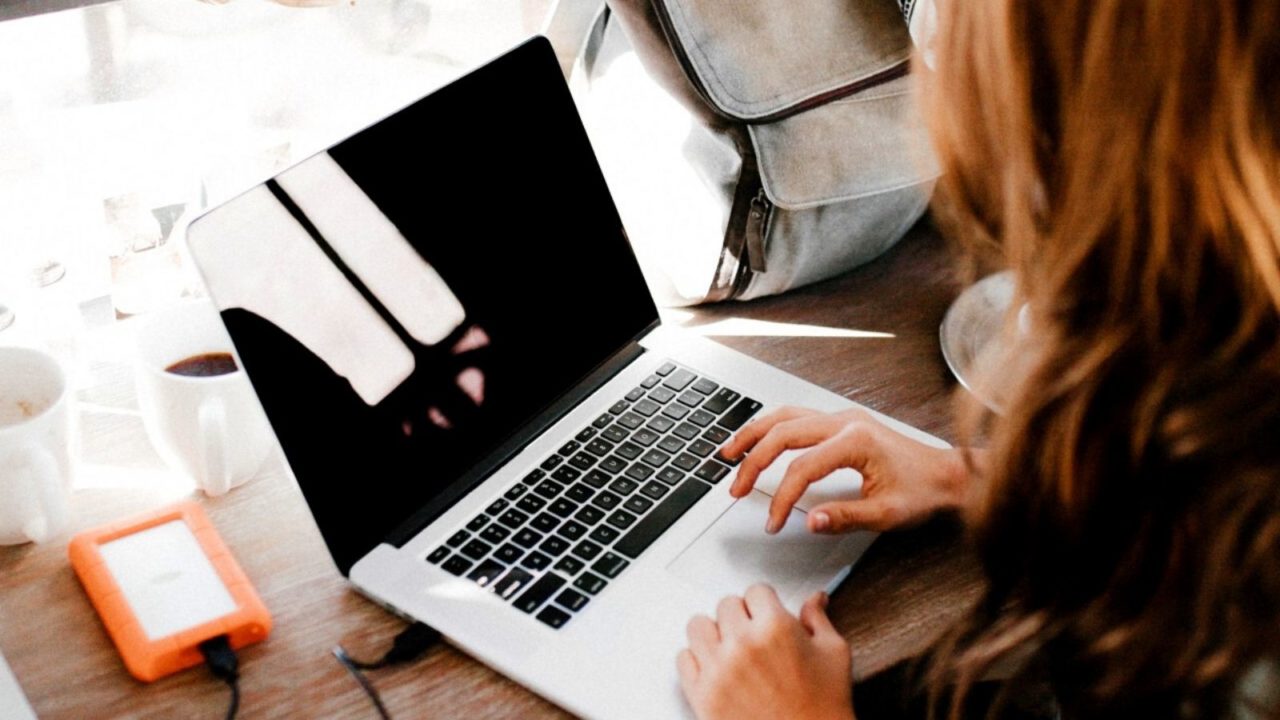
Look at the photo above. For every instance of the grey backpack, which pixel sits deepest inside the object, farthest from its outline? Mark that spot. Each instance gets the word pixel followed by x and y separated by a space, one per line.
pixel 799 130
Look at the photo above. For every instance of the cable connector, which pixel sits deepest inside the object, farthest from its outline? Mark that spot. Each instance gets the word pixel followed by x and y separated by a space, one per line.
pixel 408 645
pixel 224 665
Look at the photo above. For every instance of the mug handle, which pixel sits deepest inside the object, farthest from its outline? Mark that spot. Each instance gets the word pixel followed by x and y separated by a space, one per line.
pixel 42 501
pixel 213 447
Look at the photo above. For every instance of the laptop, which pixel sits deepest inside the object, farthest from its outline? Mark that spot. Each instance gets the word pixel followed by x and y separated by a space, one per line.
pixel 447 328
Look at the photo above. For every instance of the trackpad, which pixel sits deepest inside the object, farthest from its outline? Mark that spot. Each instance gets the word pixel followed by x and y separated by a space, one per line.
pixel 735 552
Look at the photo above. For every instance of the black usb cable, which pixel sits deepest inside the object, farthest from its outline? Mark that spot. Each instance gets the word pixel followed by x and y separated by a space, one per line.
pixel 408 645
pixel 225 666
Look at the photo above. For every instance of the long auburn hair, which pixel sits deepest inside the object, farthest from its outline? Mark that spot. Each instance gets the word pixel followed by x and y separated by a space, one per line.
pixel 1123 158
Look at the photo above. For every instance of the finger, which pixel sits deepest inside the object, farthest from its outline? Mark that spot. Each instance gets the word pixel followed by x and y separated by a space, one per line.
pixel 704 637
pixel 688 669
pixel 813 616
pixel 847 516
pixel 762 602
pixel 750 434
pixel 831 455
pixel 731 615
pixel 789 435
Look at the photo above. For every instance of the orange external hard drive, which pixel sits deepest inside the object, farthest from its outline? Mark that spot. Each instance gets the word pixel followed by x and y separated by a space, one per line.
pixel 163 583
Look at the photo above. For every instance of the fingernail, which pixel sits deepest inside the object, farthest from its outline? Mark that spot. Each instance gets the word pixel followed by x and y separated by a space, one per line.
pixel 824 600
pixel 773 526
pixel 821 521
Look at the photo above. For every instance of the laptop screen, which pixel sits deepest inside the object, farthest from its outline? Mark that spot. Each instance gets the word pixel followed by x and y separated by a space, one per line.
pixel 406 301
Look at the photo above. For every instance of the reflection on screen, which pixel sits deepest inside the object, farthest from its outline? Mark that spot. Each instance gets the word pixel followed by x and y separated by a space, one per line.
pixel 406 301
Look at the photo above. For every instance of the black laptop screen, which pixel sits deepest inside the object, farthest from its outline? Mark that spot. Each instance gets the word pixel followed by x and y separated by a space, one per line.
pixel 406 302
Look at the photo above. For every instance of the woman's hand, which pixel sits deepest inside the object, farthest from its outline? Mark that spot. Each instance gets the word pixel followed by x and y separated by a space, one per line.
pixel 756 660
pixel 904 482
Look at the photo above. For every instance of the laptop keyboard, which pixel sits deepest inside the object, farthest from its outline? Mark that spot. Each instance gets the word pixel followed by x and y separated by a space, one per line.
pixel 554 540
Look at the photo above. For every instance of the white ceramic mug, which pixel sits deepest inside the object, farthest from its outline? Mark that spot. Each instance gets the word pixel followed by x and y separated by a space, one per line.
pixel 210 427
pixel 35 446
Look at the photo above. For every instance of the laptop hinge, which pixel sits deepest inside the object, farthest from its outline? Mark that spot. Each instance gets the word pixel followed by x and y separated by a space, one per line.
pixel 530 431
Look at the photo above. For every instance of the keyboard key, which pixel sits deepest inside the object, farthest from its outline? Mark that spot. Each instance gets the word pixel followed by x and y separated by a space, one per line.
pixel 563 507
pixel 438 554
pixel 572 530
pixel 572 599
pixel 604 534
pixel 712 471
pixel 691 399
pixel 582 461
pixel 579 493
pixel 477 522
pixel 631 421
pixel 599 447
pixel 458 538
pixel 570 448
pixel 647 407
pixel 661 517
pixel 639 472
pixel 661 424
pixel 635 394
pixel 702 418
pixel 686 462
pixel 527 538
pixel 671 444
pixel 511 583
pixel 552 462
pixel 654 489
pixel 679 380
pixel 656 458
pixel 548 488
pixel 716 435
pixel 546 522
pixel 606 500
pixel 666 369
pixel 589 515
pixel 596 479
pixel 554 546
pixel 731 463
pixel 740 414
pixel 651 381
pixel 637 504
pixel 516 491
pixel 603 421
pixel 701 448
pixel 535 561
pixel 619 407
pixel 569 565
pixel 661 395
pixel 670 475
pixel 613 464
pixel 567 474
pixel 645 437
pixel 705 386
pixel 554 617
pixel 531 504
pixel 621 519
pixel 610 565
pixel 590 583
pixel 623 486
pixel 686 431
pixel 586 434
pixel 721 401
pixel 497 506
pixel 675 411
pixel 486 572
pixel 476 549
pixel 587 550
pixel 616 433
pixel 629 450
pixel 457 565
pixel 532 478
pixel 508 553
pixel 494 534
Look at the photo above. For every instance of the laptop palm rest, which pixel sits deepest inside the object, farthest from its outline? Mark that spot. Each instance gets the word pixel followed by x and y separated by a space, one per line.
pixel 735 552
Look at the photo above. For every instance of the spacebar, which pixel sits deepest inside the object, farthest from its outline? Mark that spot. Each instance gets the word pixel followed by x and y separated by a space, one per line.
pixel 661 518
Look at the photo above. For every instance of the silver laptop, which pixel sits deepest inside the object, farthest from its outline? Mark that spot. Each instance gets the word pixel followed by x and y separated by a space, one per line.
pixel 451 337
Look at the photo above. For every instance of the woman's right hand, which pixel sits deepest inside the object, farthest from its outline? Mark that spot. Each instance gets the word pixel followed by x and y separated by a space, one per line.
pixel 904 481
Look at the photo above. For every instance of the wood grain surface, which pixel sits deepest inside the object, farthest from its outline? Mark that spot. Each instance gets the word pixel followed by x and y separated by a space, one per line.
pixel 900 596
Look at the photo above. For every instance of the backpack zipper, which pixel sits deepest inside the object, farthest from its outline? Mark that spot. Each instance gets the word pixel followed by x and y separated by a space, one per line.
pixel 757 225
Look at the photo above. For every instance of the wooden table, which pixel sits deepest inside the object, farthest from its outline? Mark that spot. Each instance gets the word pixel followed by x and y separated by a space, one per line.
pixel 903 592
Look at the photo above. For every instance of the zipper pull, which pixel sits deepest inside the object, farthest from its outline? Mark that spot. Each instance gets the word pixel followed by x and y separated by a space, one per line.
pixel 757 222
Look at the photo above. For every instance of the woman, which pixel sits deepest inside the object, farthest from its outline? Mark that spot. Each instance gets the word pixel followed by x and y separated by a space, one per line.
pixel 1124 157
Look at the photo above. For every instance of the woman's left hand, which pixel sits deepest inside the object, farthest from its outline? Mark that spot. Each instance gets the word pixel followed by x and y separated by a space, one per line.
pixel 756 660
